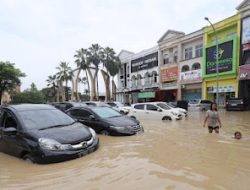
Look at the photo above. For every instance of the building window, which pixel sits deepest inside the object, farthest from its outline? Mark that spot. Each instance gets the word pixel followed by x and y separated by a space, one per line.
pixel 166 59
pixel 196 66
pixel 198 50
pixel 154 77
pixel 147 78
pixel 139 80
pixel 175 56
pixel 185 68
pixel 133 81
pixel 188 53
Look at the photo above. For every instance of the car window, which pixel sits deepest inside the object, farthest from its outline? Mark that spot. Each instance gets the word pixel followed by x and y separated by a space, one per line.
pixel 206 102
pixel 139 107
pixel 85 113
pixel 75 112
pixel 106 112
pixel 111 104
pixel 8 120
pixel 164 106
pixel 151 107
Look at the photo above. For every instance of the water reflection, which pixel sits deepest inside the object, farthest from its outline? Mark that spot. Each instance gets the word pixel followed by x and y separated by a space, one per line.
pixel 169 155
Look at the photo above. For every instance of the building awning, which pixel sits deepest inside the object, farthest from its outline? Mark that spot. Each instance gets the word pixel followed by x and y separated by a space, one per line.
pixel 146 95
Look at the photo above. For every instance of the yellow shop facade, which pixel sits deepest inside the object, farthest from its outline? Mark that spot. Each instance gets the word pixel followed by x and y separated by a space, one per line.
pixel 228 34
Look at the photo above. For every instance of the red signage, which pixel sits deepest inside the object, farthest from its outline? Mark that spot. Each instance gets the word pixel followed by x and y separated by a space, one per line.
pixel 169 74
pixel 244 73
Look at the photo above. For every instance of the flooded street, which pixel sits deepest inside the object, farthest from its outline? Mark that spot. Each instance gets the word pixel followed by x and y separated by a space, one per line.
pixel 168 155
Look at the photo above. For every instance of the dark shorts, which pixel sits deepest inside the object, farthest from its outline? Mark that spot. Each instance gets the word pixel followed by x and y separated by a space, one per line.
pixel 210 128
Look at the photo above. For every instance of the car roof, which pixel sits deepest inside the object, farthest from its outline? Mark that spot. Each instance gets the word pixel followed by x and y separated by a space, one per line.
pixel 148 103
pixel 28 107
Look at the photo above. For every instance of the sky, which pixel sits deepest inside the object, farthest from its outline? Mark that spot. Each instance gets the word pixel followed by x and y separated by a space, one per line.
pixel 37 35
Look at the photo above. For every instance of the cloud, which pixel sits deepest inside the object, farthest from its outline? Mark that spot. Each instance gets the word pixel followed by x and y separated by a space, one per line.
pixel 37 35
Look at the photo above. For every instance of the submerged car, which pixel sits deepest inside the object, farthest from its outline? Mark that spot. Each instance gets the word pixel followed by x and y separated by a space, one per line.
pixel 181 111
pixel 105 120
pixel 63 106
pixel 43 134
pixel 119 107
pixel 153 110
pixel 236 104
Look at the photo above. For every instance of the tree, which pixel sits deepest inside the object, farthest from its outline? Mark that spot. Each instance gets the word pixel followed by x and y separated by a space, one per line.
pixel 65 74
pixel 31 95
pixel 113 69
pixel 9 77
pixel 52 81
pixel 108 59
pixel 94 57
pixel 82 64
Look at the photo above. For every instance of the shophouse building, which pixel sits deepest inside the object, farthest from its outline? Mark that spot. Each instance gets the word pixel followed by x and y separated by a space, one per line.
pixel 244 68
pixel 169 57
pixel 228 33
pixel 141 76
pixel 190 72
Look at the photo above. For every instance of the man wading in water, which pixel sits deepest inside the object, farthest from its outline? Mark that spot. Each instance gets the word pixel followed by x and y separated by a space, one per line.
pixel 212 118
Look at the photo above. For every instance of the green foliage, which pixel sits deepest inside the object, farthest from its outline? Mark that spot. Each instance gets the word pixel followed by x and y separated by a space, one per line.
pixel 9 77
pixel 31 95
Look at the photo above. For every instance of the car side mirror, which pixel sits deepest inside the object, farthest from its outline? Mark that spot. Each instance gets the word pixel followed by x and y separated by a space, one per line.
pixel 159 110
pixel 10 131
pixel 92 117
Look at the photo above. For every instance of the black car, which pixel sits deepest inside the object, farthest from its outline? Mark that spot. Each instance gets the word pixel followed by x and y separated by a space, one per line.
pixel 237 104
pixel 106 120
pixel 63 106
pixel 43 134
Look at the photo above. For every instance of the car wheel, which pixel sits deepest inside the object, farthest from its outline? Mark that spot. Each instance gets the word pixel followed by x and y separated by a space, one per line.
pixel 122 112
pixel 133 117
pixel 166 118
pixel 29 158
pixel 104 132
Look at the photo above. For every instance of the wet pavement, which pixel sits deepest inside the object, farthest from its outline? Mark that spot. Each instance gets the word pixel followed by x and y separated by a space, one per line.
pixel 168 155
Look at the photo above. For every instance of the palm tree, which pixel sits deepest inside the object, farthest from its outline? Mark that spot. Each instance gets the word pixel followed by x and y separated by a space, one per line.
pixel 94 57
pixel 108 60
pixel 82 64
pixel 52 81
pixel 113 69
pixel 65 74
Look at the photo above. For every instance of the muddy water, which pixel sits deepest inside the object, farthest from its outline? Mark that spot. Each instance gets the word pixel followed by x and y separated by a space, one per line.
pixel 169 155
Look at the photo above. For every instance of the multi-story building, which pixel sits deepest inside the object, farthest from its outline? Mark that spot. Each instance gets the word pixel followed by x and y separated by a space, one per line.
pixel 138 78
pixel 228 34
pixel 190 72
pixel 169 57
pixel 244 68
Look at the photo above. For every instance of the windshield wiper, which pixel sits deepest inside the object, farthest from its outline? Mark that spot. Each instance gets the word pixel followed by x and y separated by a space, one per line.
pixel 55 126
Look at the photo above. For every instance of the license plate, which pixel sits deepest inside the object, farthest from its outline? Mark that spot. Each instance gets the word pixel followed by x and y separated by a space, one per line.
pixel 234 104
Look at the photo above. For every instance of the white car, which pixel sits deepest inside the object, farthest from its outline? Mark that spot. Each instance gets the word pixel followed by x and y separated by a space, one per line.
pixel 118 106
pixel 182 111
pixel 153 111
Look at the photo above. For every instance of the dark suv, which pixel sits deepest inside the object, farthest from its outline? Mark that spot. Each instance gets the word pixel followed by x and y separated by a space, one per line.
pixel 239 104
pixel 43 134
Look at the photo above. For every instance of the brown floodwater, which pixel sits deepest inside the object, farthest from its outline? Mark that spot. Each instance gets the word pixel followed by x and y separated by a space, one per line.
pixel 168 155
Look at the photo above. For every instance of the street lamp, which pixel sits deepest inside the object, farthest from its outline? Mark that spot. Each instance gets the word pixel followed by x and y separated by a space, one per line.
pixel 217 61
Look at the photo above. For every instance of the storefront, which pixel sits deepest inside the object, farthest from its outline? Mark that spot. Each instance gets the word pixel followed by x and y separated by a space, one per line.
pixel 227 65
pixel 191 84
pixel 244 70
pixel 169 77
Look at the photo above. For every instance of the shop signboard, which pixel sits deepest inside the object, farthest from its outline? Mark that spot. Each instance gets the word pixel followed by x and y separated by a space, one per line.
pixel 225 58
pixel 245 35
pixel 190 76
pixel 169 74
pixel 224 88
pixel 146 95
pixel 145 62
pixel 244 72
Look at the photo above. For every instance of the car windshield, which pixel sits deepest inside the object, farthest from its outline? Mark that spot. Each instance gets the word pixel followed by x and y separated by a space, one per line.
pixel 106 112
pixel 194 101
pixel 119 104
pixel 40 119
pixel 163 106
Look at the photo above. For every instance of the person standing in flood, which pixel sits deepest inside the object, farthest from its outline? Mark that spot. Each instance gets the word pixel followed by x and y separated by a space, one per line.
pixel 212 118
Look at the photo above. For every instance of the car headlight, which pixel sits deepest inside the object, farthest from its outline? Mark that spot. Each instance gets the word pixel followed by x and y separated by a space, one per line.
pixel 51 144
pixel 93 133
pixel 119 128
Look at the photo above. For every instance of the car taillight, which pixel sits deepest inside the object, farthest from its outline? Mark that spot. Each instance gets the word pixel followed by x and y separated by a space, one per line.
pixel 241 102
pixel 226 102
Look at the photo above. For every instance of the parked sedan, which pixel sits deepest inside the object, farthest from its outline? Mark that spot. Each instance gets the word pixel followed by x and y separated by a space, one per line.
pixel 153 110
pixel 181 111
pixel 43 134
pixel 119 107
pixel 236 104
pixel 106 120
